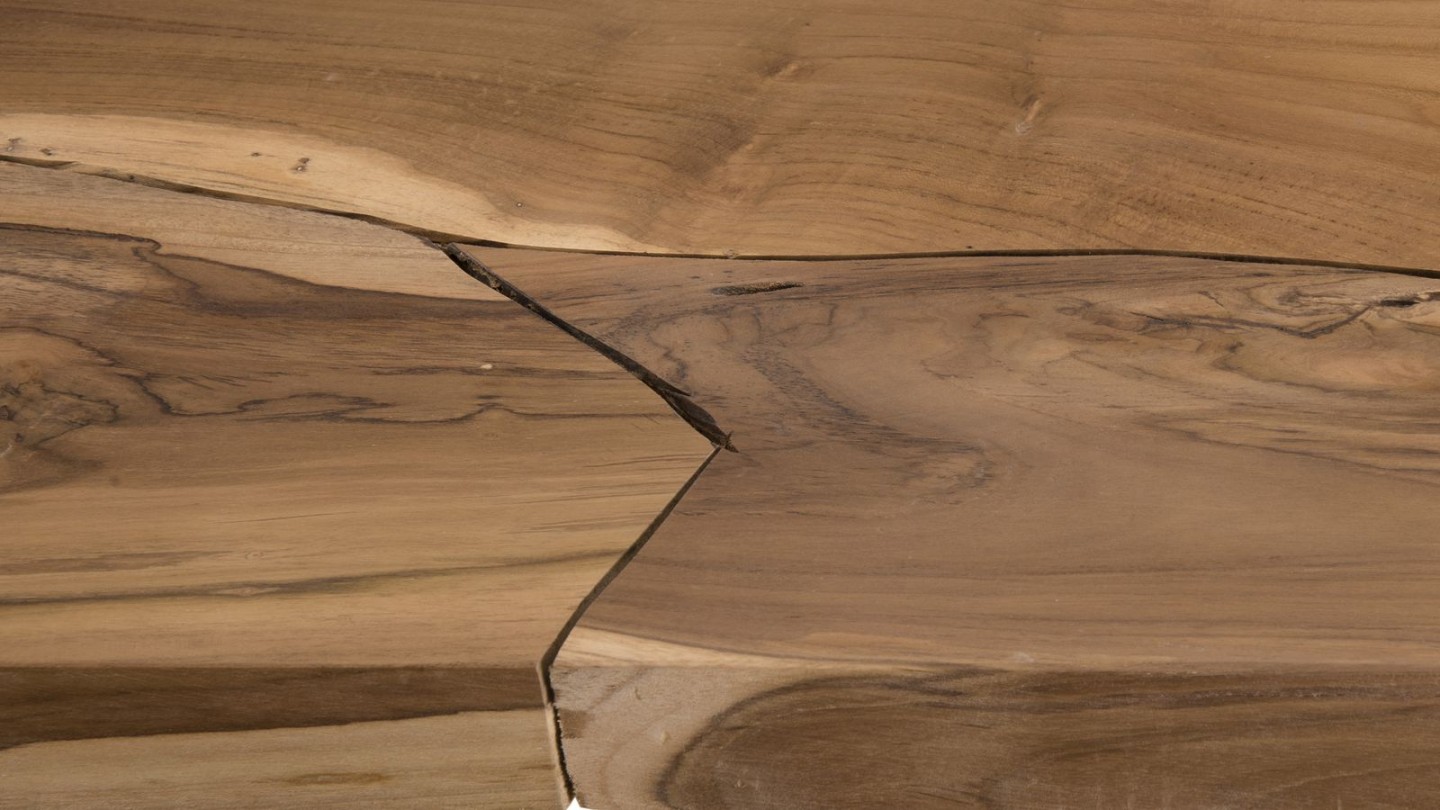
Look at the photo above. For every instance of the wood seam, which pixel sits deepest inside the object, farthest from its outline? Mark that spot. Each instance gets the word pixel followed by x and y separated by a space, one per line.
pixel 678 399
pixel 435 236
pixel 548 660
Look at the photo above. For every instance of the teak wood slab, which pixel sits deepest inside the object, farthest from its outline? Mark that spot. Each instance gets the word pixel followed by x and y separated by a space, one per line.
pixel 290 508
pixel 1025 533
pixel 1302 128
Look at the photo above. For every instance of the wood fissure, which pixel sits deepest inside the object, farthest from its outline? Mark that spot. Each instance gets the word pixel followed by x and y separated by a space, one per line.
pixel 678 400
pixel 547 662
pixel 441 239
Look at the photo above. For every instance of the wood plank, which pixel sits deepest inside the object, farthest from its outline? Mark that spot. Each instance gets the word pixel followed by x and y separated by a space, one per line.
pixel 472 759
pixel 272 482
pixel 824 127
pixel 1020 532
pixel 261 737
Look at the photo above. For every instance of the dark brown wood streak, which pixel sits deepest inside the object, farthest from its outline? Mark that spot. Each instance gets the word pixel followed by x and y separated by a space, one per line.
pixel 40 704
pixel 1020 532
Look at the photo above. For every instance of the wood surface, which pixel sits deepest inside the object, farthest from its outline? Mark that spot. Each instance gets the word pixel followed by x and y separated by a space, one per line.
pixel 819 127
pixel 292 508
pixel 1091 531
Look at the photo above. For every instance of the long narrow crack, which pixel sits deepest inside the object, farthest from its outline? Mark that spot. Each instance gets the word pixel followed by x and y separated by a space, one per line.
pixel 679 400
pixel 441 237
pixel 547 662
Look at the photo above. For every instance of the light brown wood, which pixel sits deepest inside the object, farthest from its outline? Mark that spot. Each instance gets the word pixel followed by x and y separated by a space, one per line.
pixel 1025 533
pixel 290 508
pixel 490 759
pixel 823 127
pixel 272 482
pixel 179 739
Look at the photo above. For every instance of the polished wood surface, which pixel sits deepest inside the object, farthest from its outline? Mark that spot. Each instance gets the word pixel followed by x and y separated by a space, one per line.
pixel 187 737
pixel 1019 532
pixel 821 127
pixel 297 510
pixel 292 507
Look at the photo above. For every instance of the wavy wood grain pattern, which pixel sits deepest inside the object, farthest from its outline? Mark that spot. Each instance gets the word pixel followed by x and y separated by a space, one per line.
pixel 291 507
pixel 820 127
pixel 1022 533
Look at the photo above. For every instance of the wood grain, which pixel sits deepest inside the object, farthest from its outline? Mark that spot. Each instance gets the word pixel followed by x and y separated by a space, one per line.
pixel 282 492
pixel 240 737
pixel 1023 533
pixel 824 127
pixel 461 760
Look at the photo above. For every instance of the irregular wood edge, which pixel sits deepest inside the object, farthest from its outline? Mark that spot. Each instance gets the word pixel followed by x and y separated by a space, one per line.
pixel 547 662
pixel 679 401
pixel 436 237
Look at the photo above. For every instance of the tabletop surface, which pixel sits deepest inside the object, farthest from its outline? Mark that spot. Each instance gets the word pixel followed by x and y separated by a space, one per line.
pixel 719 405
